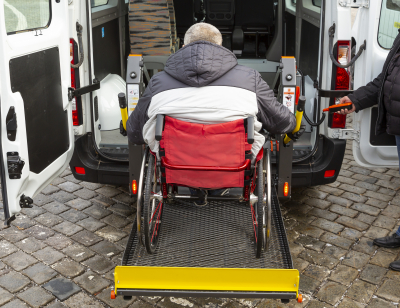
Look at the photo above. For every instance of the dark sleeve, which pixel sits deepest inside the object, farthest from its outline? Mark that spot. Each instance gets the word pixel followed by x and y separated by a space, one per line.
pixel 275 118
pixel 139 117
pixel 367 96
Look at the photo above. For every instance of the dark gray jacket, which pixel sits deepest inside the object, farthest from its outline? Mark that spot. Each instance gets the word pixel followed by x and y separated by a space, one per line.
pixel 203 83
pixel 384 90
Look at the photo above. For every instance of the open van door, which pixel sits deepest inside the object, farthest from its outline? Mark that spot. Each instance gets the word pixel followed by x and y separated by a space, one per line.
pixel 37 140
pixel 378 23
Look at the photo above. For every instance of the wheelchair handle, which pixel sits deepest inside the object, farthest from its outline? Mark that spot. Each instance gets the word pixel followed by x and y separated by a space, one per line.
pixel 159 126
pixel 250 130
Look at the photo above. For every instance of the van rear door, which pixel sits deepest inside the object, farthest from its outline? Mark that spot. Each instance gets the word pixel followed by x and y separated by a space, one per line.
pixel 37 140
pixel 377 23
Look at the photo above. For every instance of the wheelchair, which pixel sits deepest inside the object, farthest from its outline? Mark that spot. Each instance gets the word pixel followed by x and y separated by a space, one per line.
pixel 204 157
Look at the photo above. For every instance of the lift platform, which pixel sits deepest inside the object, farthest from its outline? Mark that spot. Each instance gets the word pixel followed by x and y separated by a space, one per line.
pixel 209 252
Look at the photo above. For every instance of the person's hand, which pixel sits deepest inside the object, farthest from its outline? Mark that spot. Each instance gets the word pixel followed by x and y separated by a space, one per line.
pixel 344 100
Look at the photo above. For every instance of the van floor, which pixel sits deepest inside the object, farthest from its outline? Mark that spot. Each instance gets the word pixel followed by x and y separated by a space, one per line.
pixel 113 138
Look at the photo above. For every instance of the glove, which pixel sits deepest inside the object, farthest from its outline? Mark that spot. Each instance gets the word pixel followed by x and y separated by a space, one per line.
pixel 297 134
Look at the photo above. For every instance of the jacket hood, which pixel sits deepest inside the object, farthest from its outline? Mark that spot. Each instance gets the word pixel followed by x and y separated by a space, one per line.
pixel 200 63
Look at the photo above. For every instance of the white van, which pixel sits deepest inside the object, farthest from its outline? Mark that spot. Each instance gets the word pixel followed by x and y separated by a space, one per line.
pixel 53 115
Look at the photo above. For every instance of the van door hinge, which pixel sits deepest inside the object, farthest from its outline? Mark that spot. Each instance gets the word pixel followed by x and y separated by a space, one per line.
pixel 14 165
pixel 346 134
pixel 25 202
pixel 84 90
pixel 354 3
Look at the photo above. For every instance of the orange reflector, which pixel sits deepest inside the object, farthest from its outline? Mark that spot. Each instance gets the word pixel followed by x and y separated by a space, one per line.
pixel 112 294
pixel 286 189
pixel 80 170
pixel 134 187
pixel 329 173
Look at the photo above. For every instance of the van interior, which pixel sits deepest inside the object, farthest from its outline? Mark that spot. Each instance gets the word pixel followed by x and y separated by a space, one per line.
pixel 257 32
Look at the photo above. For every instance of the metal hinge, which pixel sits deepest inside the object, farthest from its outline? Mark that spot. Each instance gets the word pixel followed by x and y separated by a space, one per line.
pixel 14 165
pixel 84 90
pixel 346 134
pixel 354 3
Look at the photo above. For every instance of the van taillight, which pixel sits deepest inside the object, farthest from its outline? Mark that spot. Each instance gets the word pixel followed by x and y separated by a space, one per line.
pixel 74 76
pixel 342 81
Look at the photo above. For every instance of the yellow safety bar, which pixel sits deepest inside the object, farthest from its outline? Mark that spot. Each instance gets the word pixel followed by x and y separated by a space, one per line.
pixel 299 117
pixel 124 109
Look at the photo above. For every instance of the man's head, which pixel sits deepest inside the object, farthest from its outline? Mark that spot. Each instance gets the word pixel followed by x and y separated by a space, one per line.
pixel 203 32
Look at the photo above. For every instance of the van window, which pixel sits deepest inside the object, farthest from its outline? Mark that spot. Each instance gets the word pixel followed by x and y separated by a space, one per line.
pixel 389 23
pixel 95 3
pixel 316 3
pixel 26 15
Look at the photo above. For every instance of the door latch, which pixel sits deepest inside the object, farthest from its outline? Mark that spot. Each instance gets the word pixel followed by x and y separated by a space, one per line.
pixel 25 202
pixel 14 165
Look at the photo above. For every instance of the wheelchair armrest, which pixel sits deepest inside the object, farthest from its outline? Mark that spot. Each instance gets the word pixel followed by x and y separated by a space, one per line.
pixel 159 126
pixel 250 130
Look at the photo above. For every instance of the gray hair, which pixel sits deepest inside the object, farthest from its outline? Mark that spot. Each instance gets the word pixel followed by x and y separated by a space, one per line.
pixel 203 32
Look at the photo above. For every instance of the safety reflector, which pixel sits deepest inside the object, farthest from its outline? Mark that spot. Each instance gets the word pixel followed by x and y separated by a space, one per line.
pixel 286 189
pixel 338 120
pixel 80 170
pixel 329 173
pixel 134 187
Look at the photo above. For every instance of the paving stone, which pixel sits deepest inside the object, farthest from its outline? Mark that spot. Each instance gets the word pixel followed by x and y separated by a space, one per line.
pixel 107 249
pixel 99 264
pixel 108 191
pixel 36 297
pixel 73 215
pixel 118 302
pixel 15 304
pixel 361 291
pixel 373 273
pixel 22 222
pixel 78 252
pixel 308 284
pixel 388 184
pixel 50 189
pixel 313 193
pixel 393 172
pixel 318 258
pixel 379 196
pixel 97 212
pixel 345 173
pixel 85 194
pixel 299 216
pixel 365 245
pixel 351 234
pixel 58 241
pixel 341 210
pixel 339 200
pixel 317 304
pixel 352 189
pixel 367 209
pixel 365 218
pixel 62 288
pixel 385 222
pixel 57 181
pixel 352 223
pixel 33 212
pixel 82 300
pixel 41 199
pixel 91 224
pixel 62 196
pixel 331 190
pixel 347 181
pixel 380 303
pixel 344 274
pixel 86 238
pixel 67 228
pixel 364 178
pixel 360 170
pixel 392 211
pixel 92 282
pixel 116 221
pixel 377 203
pixel 393 275
pixel 322 204
pixel 348 303
pixel 355 259
pixel 6 248
pixel 48 219
pixel 125 199
pixel 331 292
pixel 300 264
pixel 317 272
pixel 309 230
pixel 69 186
pixel 375 232
pixel 327 225
pixel 91 186
pixel 112 234
pixel 72 179
pixel 56 207
pixel 66 172
pixel 390 290
pixel 13 235
pixel 13 281
pixel 5 296
pixel 19 260
pixel 40 273
pixel 48 255
pixel 79 204
pixel 2 265
pixel 334 251
pixel 68 268
pixel 386 191
pixel 383 258
pixel 367 186
pixel 103 201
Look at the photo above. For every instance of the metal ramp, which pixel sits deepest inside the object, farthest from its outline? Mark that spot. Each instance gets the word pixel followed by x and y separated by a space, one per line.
pixel 209 251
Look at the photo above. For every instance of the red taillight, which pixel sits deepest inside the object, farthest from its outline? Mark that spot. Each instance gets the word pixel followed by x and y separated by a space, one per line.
pixel 80 170
pixel 286 189
pixel 329 173
pixel 134 187
pixel 338 120
pixel 75 117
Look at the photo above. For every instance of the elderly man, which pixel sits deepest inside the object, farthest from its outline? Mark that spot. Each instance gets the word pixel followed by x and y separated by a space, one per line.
pixel 203 83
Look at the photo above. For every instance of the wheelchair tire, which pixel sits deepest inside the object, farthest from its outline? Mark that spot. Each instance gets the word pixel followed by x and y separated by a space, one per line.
pixel 152 208
pixel 260 209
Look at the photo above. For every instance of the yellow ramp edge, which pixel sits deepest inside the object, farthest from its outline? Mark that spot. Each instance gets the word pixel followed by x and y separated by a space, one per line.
pixel 206 279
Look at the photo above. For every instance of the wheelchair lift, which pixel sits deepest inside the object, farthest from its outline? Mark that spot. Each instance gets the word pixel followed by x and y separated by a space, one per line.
pixel 208 251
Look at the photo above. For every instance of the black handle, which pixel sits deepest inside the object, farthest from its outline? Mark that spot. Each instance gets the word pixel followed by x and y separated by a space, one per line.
pixel 159 126
pixel 122 100
pixel 301 104
pixel 250 130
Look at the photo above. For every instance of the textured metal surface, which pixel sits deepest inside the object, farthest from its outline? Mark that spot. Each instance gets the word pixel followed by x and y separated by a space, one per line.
pixel 218 235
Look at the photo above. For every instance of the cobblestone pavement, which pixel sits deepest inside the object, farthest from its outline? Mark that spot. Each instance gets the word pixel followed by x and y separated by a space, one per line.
pixel 62 251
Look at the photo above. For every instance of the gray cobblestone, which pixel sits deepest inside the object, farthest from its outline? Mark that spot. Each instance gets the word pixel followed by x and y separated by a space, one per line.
pixel 6 248
pixel 48 255
pixel 336 240
pixel 50 189
pixel 373 274
pixel 5 296
pixel 85 194
pixel 111 234
pixel 354 197
pixel 82 300
pixel 15 304
pixel 344 275
pixel 368 219
pixel 356 259
pixel 19 260
pixel 36 297
pixel 310 243
pixel 58 241
pixel 13 235
pixel 341 210
pixel 116 221
pixel 365 178
pixel 69 186
pixel 73 215
pixel 48 219
pixel 352 223
pixel 392 211
pixel 322 204
pixel 331 292
pixel 62 196
pixel 376 232
pixel 62 288
pixel 331 190
pixel 79 204
pixel 370 210
pixel 323 214
pixel 67 228
pixel 377 203
pixel 33 212
pixel 379 303
pixel 361 291
pixel 13 281
pixel 91 224
pixel 99 264
pixel 78 252
pixel 55 207
pixel 339 200
pixel 390 290
pixel 108 191
pixel 92 282
pixel 40 273
pixel 327 225
pixel 29 245
pixel 383 259
pixel 367 186
pixel 86 238
pixel 97 212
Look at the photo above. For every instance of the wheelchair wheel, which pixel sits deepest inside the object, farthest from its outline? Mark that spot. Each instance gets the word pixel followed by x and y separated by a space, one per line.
pixel 152 207
pixel 259 210
pixel 139 203
pixel 268 204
